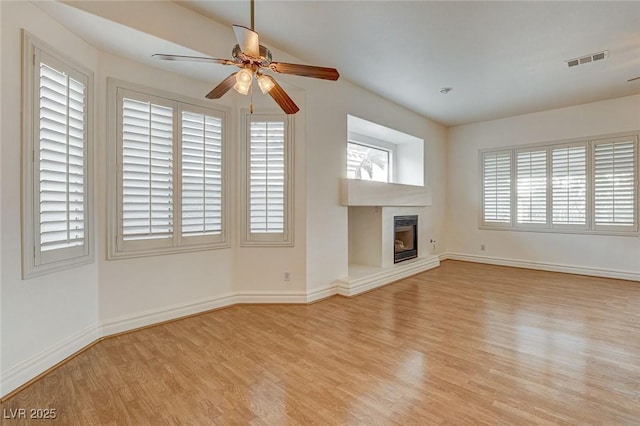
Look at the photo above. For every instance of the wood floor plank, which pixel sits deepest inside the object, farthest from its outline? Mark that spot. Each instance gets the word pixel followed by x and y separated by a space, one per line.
pixel 462 344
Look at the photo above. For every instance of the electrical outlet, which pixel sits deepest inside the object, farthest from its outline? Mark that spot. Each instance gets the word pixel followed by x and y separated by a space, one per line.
pixel 483 247
pixel 287 276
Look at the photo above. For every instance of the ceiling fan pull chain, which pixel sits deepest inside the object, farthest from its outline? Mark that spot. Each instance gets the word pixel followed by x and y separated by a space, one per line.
pixel 251 98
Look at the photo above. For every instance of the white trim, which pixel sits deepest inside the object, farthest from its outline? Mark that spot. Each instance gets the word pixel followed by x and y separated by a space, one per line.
pixel 26 370
pixel 389 148
pixel 636 164
pixel 60 259
pixel 254 239
pixel 321 293
pixel 155 316
pixel 354 286
pixel 270 297
pixel 544 266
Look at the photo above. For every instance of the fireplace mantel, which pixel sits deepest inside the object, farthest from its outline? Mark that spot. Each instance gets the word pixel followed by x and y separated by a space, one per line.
pixel 356 192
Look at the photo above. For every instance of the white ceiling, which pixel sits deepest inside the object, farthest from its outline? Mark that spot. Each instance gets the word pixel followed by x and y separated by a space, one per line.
pixel 501 58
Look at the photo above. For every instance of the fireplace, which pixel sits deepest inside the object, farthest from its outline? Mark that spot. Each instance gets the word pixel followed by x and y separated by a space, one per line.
pixel 405 239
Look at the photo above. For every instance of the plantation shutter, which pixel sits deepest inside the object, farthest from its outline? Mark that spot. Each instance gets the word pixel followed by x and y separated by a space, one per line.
pixel 496 169
pixel 201 174
pixel 531 188
pixel 569 185
pixel 61 159
pixel 267 176
pixel 147 170
pixel 614 163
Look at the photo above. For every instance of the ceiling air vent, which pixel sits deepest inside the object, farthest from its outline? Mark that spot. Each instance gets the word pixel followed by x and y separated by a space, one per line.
pixel 588 58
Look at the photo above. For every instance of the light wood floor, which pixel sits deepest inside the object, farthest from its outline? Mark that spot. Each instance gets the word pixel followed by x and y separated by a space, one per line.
pixel 461 344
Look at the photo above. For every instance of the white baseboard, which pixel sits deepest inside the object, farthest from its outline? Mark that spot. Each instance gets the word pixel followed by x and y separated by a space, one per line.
pixel 544 266
pixel 30 368
pixel 321 293
pixel 25 371
pixel 354 286
pixel 270 297
pixel 131 322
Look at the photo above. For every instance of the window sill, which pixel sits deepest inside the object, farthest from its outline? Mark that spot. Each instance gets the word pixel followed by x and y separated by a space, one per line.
pixel 115 255
pixel 31 271
pixel 633 233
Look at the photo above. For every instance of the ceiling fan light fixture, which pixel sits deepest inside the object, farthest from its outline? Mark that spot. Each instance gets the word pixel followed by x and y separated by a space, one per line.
pixel 266 83
pixel 244 78
pixel 242 88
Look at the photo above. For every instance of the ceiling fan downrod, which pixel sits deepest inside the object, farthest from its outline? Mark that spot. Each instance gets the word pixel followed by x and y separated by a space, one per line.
pixel 252 58
pixel 252 15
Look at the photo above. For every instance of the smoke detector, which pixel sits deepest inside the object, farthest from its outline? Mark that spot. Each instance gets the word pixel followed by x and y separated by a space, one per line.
pixel 593 57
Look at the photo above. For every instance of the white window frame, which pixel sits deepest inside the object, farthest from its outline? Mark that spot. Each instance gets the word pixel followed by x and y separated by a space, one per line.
pixel 211 240
pixel 588 196
pixel 118 247
pixel 253 239
pixel 614 139
pixel 483 222
pixel 389 147
pixel 34 261
pixel 514 183
pixel 590 227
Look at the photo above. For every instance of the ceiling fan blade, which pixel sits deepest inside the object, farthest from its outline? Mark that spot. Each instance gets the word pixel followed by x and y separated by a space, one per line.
pixel 223 87
pixel 305 70
pixel 247 40
pixel 634 79
pixel 166 57
pixel 282 99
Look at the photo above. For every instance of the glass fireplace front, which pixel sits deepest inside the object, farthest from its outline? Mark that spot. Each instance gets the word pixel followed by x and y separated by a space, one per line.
pixel 405 241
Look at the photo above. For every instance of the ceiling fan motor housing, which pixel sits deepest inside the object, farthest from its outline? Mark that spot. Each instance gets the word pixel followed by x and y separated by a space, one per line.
pixel 264 60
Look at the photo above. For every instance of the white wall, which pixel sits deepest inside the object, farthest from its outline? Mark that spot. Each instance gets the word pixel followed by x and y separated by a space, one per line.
pixel 260 270
pixel 592 253
pixel 327 236
pixel 40 314
pixel 130 288
pixel 410 170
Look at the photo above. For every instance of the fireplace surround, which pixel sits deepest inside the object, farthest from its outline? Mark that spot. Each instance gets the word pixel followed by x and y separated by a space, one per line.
pixel 405 238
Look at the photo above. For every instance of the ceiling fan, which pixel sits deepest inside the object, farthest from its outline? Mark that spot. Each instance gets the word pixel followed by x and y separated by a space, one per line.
pixel 253 59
